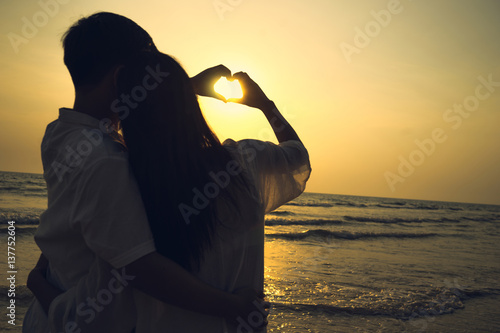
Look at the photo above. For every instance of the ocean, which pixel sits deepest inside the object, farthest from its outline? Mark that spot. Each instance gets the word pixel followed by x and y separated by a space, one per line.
pixel 335 263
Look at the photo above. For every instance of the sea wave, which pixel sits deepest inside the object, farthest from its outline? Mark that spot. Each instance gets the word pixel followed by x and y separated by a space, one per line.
pixel 24 192
pixel 386 205
pixel 9 188
pixel 327 234
pixel 351 204
pixel 274 222
pixel 39 182
pixel 482 219
pixel 24 219
pixel 413 305
pixel 424 207
pixel 309 204
pixel 370 219
pixel 281 213
pixel 19 230
pixel 398 203
pixel 417 207
pixel 323 308
pixel 396 219
pixel 389 206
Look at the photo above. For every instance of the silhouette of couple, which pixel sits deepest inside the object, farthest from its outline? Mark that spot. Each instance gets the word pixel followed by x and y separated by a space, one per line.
pixel 153 224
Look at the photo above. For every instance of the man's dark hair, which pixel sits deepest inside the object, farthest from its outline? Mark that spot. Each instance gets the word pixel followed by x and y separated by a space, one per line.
pixel 94 44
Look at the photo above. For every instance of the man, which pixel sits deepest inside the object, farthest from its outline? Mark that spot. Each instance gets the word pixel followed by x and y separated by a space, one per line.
pixel 95 233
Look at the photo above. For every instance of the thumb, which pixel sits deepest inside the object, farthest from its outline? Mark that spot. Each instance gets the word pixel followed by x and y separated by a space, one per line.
pixel 219 96
pixel 222 70
pixel 240 76
pixel 235 100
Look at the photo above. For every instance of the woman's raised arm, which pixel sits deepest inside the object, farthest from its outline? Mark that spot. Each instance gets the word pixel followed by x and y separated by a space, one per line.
pixel 253 96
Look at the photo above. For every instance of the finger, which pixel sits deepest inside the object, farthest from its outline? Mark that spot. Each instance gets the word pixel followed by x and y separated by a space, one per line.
pixel 219 96
pixel 222 71
pixel 241 76
pixel 236 100
pixel 233 77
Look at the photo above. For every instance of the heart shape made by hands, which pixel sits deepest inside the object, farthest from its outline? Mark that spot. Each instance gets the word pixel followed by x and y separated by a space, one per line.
pixel 228 89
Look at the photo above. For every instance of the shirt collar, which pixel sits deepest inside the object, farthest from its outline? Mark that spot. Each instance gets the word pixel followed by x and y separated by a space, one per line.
pixel 72 116
pixel 68 115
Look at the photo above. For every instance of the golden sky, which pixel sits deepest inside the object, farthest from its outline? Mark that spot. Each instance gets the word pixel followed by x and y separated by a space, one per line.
pixel 391 98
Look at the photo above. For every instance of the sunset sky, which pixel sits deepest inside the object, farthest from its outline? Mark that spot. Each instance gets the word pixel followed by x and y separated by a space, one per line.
pixel 392 98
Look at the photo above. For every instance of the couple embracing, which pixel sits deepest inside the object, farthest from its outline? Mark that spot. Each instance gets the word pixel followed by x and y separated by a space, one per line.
pixel 127 246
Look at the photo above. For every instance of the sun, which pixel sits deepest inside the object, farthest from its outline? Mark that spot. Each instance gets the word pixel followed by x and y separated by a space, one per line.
pixel 228 89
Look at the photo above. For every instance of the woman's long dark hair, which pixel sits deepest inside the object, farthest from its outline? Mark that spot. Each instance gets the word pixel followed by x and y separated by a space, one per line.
pixel 172 153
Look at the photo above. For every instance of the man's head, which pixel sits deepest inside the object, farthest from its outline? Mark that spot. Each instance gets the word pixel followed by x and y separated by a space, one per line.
pixel 96 44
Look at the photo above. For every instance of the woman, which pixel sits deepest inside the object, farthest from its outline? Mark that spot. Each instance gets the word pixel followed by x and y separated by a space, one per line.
pixel 205 200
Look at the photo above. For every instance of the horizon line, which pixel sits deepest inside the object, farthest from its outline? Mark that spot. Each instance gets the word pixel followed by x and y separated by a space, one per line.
pixel 350 195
